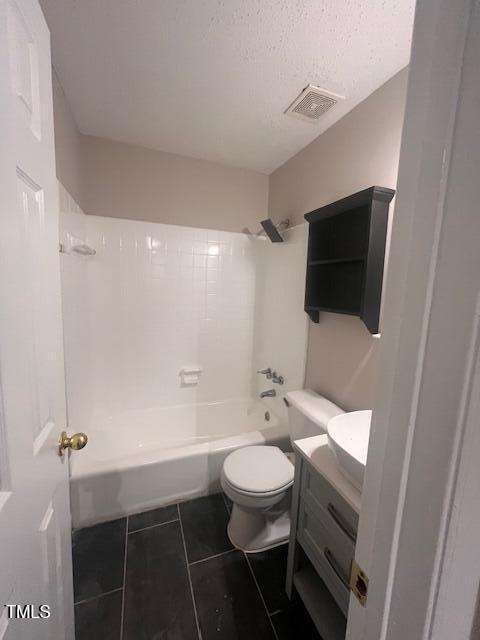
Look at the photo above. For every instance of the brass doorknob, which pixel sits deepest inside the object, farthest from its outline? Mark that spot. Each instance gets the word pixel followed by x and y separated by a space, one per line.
pixel 75 442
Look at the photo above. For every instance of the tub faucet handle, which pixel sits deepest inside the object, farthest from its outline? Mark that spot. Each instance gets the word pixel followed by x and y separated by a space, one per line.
pixel 266 372
pixel 277 379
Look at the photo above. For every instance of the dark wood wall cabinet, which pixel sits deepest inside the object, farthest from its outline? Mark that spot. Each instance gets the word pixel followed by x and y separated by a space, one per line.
pixel 346 252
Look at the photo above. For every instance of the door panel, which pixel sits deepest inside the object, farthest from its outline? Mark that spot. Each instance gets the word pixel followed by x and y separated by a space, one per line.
pixel 24 71
pixel 31 204
pixel 35 547
pixel 51 557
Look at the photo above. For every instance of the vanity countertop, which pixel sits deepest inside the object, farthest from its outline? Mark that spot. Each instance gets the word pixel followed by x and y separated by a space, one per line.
pixel 316 451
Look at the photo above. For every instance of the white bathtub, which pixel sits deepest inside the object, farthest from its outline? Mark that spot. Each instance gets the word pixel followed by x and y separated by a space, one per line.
pixel 144 459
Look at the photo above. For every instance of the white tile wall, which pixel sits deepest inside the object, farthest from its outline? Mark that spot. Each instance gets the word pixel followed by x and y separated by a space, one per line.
pixel 156 297
pixel 161 297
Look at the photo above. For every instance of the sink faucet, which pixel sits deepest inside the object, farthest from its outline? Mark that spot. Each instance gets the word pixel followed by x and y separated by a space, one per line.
pixel 271 393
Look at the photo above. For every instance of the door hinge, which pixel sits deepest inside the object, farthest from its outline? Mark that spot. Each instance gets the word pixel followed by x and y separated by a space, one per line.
pixel 359 583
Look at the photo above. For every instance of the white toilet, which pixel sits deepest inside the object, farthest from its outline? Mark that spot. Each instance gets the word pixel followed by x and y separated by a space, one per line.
pixel 258 479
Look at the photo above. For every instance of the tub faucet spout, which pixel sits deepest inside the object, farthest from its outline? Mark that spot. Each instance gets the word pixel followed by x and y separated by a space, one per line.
pixel 271 393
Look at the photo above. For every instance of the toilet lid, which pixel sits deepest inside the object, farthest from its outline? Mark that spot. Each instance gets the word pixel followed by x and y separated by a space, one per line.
pixel 258 469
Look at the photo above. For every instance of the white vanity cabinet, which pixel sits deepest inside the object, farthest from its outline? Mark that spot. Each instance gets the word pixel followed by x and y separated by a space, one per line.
pixel 325 510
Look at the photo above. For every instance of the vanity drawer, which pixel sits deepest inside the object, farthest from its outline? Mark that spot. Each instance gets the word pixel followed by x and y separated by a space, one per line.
pixel 330 556
pixel 326 532
pixel 319 494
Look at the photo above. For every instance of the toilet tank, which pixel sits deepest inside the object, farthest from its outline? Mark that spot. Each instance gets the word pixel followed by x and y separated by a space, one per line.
pixel 309 413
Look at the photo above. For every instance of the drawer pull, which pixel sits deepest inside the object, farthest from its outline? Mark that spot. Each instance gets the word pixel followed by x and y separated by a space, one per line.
pixel 340 521
pixel 335 567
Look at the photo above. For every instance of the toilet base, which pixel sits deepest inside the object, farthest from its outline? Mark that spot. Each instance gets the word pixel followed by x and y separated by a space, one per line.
pixel 252 531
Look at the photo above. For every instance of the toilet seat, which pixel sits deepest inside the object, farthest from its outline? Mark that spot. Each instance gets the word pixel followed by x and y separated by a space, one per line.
pixel 258 470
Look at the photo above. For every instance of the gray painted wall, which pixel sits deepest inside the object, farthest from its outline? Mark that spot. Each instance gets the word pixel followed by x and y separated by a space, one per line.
pixel 126 181
pixel 67 143
pixel 360 150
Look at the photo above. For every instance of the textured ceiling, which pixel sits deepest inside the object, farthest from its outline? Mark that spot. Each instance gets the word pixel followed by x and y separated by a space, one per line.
pixel 211 78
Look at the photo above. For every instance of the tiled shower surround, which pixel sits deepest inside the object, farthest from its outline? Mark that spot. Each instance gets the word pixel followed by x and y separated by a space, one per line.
pixel 158 297
pixel 165 297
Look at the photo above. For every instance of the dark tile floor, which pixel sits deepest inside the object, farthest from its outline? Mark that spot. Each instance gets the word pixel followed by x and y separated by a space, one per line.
pixel 171 573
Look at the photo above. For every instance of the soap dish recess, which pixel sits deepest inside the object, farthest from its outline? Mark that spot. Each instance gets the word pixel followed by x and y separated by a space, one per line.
pixel 190 375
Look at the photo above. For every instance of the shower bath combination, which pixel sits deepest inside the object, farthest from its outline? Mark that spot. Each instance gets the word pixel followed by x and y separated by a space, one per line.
pixel 169 434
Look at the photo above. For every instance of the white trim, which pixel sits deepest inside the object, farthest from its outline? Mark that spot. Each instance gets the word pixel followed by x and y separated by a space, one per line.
pixel 455 560
pixel 417 424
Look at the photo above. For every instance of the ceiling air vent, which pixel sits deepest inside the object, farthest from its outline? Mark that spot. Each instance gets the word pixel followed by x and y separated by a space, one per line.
pixel 312 103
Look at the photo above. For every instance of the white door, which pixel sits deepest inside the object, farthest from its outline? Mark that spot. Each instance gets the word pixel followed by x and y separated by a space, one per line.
pixel 420 521
pixel 35 555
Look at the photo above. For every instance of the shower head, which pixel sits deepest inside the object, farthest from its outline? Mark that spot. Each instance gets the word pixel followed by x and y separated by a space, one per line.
pixel 272 230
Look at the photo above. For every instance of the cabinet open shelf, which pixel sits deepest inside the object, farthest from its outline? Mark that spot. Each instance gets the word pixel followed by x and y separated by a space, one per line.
pixel 346 249
pixel 324 611
pixel 313 263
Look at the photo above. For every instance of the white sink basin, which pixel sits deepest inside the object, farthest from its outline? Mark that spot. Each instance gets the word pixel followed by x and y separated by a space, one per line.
pixel 348 435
